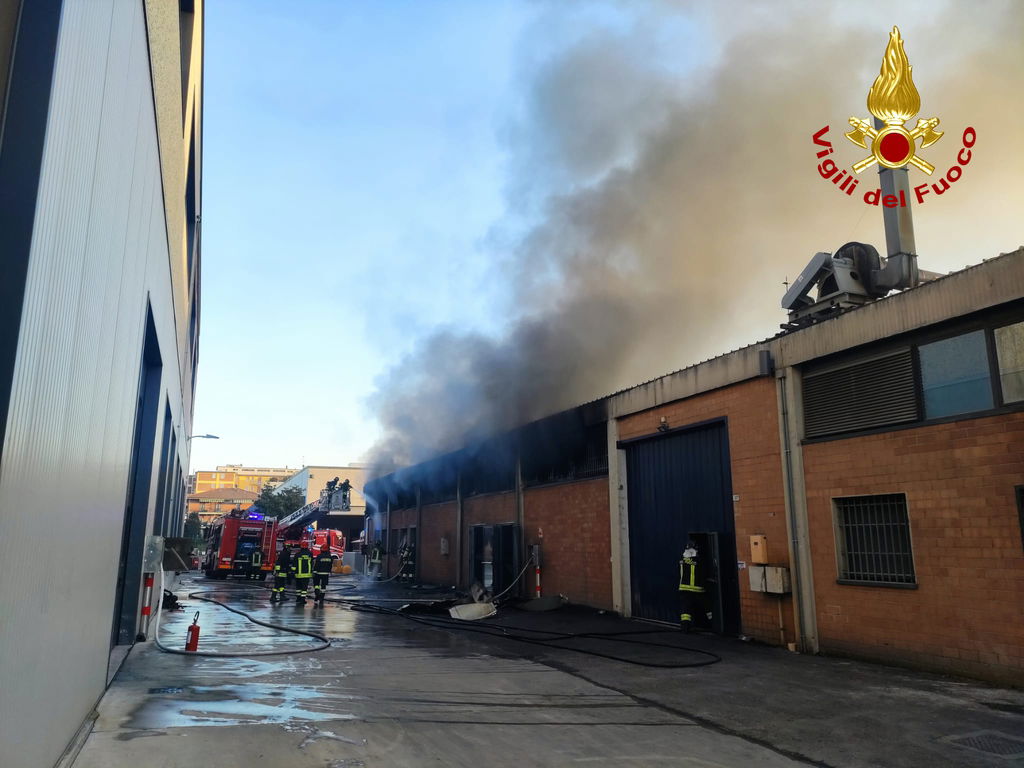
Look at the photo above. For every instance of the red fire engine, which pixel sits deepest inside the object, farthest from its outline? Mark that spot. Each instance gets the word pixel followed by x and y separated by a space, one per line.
pixel 314 539
pixel 231 539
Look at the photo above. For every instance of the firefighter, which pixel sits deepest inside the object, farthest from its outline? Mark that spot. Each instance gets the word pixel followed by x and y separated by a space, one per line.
pixel 255 564
pixel 321 573
pixel 302 565
pixel 407 562
pixel 282 567
pixel 691 586
pixel 375 557
pixel 410 569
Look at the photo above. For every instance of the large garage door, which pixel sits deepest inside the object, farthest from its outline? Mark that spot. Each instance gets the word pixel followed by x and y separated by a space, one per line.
pixel 679 486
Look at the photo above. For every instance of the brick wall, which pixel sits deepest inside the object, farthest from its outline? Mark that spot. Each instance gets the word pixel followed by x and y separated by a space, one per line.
pixel 570 522
pixel 967 614
pixel 486 509
pixel 438 522
pixel 756 466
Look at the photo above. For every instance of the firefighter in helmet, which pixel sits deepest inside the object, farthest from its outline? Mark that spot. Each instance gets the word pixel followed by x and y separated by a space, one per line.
pixel 282 567
pixel 321 573
pixel 691 586
pixel 376 555
pixel 303 567
pixel 407 562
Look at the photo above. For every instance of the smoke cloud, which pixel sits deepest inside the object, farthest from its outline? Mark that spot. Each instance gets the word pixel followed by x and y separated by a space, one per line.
pixel 663 165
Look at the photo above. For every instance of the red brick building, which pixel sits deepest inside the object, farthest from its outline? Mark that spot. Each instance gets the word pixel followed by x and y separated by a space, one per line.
pixel 855 487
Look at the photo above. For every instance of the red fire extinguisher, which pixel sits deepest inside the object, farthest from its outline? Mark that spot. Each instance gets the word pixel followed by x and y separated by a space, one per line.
pixel 192 639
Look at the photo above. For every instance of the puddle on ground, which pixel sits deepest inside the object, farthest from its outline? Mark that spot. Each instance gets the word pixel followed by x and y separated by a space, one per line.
pixel 247 704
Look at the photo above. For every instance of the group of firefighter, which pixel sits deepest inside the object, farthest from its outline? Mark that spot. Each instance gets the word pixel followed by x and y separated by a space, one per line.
pixel 406 561
pixel 298 565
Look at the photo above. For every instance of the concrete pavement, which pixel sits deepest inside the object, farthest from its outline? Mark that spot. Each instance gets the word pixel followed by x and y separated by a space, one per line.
pixel 391 692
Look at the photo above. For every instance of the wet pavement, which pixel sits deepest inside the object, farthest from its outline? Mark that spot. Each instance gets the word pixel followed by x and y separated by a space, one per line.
pixel 390 691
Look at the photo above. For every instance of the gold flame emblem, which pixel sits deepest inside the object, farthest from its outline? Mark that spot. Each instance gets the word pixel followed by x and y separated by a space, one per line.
pixel 894 99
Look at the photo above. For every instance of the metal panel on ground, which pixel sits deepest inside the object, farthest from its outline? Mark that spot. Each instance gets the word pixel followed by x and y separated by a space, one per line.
pixel 679 485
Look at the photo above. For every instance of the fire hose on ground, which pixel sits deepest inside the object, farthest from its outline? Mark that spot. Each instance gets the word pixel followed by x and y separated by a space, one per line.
pixel 540 637
pixel 324 642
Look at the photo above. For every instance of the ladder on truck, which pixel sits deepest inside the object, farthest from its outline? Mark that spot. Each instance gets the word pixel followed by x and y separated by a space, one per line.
pixel 269 542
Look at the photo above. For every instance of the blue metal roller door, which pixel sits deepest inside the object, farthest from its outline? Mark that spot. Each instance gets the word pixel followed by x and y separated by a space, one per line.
pixel 679 484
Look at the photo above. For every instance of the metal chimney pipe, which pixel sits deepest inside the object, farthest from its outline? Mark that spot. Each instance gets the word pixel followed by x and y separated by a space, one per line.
pixel 899 221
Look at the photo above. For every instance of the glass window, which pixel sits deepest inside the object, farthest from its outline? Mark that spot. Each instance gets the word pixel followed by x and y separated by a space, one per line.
pixel 955 375
pixel 1010 352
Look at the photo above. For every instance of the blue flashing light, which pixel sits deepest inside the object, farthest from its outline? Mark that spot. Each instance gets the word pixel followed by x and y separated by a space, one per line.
pixel 254 516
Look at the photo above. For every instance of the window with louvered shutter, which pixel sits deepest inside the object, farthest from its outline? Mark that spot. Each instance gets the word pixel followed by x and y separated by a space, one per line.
pixel 864 395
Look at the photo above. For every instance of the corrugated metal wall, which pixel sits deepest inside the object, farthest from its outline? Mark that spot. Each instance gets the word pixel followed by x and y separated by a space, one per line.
pixel 99 249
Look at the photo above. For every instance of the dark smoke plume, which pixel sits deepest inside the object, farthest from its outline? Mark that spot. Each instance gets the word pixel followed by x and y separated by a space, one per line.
pixel 669 203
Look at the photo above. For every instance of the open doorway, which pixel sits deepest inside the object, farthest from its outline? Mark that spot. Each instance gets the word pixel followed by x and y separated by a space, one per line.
pixel 494 556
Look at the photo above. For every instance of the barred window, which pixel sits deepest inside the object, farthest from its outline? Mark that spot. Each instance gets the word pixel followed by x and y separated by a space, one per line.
pixel 873 540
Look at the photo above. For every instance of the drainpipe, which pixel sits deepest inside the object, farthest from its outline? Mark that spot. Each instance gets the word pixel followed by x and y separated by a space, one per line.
pixel 458 530
pixel 804 612
pixel 387 537
pixel 521 519
pixel 419 532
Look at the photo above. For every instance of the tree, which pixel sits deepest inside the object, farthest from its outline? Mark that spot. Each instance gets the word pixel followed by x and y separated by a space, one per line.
pixel 193 527
pixel 279 503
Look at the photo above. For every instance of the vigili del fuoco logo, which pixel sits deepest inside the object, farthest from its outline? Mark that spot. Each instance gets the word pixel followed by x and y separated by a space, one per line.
pixel 893 100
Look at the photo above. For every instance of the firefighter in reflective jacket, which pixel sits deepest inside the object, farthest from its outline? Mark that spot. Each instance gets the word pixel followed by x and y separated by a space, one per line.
pixel 376 554
pixel 407 558
pixel 255 563
pixel 691 587
pixel 282 567
pixel 303 567
pixel 321 573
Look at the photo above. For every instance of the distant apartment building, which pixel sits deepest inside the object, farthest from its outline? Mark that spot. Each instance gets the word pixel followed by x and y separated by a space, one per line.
pixel 238 476
pixel 215 502
pixel 313 479
pixel 100 202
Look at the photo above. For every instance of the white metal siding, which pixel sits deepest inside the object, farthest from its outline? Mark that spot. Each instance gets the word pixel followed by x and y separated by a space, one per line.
pixel 99 248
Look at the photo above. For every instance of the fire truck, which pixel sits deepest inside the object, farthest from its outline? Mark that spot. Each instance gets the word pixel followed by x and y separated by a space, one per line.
pixel 314 540
pixel 231 539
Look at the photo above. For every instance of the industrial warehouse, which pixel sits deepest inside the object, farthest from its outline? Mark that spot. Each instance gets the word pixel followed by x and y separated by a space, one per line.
pixel 864 467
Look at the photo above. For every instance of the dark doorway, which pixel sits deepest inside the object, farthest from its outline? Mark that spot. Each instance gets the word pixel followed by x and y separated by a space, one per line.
pixel 679 487
pixel 133 532
pixel 495 556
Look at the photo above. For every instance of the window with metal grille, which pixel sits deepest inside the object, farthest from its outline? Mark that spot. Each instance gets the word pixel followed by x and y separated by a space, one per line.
pixel 873 540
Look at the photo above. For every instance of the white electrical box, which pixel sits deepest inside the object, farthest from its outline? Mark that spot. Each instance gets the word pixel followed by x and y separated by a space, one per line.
pixel 773 579
pixel 444 546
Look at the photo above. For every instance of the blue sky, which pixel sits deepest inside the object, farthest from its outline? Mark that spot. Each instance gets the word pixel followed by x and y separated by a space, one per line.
pixel 377 170
pixel 348 146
